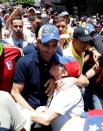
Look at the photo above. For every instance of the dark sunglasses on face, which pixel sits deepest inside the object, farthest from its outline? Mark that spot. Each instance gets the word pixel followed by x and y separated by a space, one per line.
pixel 16 26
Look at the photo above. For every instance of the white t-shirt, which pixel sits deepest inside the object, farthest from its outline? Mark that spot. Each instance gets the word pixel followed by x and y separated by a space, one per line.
pixel 68 103
pixel 30 37
pixel 19 43
pixel 10 116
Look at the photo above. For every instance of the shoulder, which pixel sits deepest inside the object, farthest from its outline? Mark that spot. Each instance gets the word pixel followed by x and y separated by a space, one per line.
pixel 11 50
pixel 29 49
pixel 28 59
pixel 8 40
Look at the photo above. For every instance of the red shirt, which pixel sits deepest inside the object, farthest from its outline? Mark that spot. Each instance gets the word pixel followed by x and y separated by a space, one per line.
pixel 7 67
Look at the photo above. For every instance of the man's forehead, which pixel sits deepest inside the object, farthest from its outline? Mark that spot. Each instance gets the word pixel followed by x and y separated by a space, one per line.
pixel 17 21
pixel 61 23
pixel 52 41
pixel 57 64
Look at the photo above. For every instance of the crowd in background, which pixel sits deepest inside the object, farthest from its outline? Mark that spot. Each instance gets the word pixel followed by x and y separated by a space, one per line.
pixel 34 40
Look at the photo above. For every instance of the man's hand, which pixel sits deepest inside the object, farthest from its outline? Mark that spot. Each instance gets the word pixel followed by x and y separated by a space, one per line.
pixel 50 84
pixel 96 56
pixel 41 108
pixel 64 38
pixel 64 83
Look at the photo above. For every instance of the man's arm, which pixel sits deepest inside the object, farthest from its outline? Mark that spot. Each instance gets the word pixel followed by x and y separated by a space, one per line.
pixel 96 54
pixel 16 93
pixel 45 117
pixel 82 81
pixel 12 15
pixel 92 72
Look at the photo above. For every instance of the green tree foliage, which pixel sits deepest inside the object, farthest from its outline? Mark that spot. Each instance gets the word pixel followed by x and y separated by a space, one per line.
pixel 25 2
pixel 31 2
pixel 3 1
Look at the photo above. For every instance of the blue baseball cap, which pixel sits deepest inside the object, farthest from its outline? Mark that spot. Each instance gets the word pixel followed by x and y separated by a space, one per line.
pixel 62 59
pixel 71 65
pixel 48 32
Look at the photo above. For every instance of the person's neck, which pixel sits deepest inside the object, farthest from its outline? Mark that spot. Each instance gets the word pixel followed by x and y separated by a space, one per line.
pixel 58 77
pixel 77 50
pixel 32 30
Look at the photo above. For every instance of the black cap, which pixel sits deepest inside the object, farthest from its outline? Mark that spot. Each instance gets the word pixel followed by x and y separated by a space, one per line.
pixel 81 34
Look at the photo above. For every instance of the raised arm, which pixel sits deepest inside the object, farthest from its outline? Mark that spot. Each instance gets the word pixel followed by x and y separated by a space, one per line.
pixel 12 15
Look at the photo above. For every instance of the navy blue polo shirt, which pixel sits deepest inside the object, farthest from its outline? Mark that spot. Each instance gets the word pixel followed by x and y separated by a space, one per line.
pixel 33 72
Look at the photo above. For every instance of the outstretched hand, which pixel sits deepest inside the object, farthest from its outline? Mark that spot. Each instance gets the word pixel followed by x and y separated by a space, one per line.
pixel 64 83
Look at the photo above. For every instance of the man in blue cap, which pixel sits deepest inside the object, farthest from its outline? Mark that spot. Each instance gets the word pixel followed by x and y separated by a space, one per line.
pixel 32 76
pixel 61 107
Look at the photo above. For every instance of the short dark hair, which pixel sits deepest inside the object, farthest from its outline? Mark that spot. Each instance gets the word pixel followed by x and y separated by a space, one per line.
pixel 59 19
pixel 17 17
pixel 32 18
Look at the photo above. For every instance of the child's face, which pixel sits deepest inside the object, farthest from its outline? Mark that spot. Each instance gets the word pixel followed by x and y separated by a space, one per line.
pixel 56 71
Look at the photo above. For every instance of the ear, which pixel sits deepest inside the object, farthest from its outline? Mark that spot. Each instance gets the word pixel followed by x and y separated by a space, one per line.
pixel 38 43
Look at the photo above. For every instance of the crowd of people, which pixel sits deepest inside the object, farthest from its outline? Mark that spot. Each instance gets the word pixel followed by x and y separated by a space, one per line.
pixel 50 68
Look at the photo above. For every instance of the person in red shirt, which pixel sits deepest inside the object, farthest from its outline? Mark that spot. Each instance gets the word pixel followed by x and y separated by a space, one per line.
pixel 8 57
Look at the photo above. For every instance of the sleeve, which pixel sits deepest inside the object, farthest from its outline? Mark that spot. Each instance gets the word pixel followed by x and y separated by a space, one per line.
pixel 29 49
pixel 12 118
pixel 18 121
pixel 20 71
